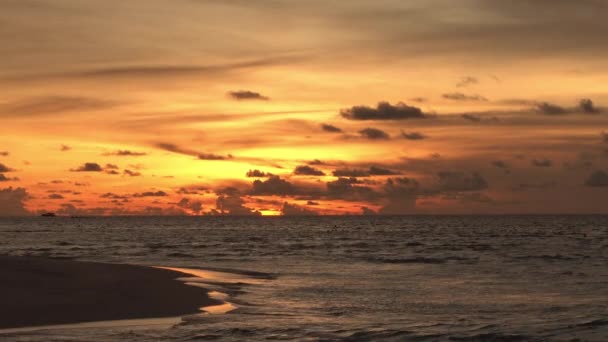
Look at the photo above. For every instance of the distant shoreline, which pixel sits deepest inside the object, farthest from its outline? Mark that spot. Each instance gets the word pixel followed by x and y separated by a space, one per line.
pixel 40 292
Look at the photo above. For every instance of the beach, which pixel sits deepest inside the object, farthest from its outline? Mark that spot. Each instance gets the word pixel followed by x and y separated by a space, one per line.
pixel 42 291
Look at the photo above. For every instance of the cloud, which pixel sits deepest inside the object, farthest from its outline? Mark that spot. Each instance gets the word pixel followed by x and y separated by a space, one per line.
pixel 4 154
pixel 212 156
pixel 175 149
pixel 350 173
pixel 471 117
pixel 274 185
pixel 550 109
pixel 374 134
pixel 305 170
pixel 12 202
pixel 542 163
pixel 4 168
pixel 464 97
pixel 3 178
pixel 467 81
pixel 372 171
pixel 125 153
pixel 401 194
pixel 151 194
pixel 383 111
pixel 88 167
pixel 586 105
pixel 195 207
pixel 413 135
pixel 296 210
pixel 330 128
pixel 500 164
pixel 131 173
pixel 258 174
pixel 64 148
pixel 162 71
pixel 377 171
pixel 54 105
pixel 201 156
pixel 55 197
pixel 247 95
pixel 229 202
pixel 348 189
pixel 597 179
pixel 461 181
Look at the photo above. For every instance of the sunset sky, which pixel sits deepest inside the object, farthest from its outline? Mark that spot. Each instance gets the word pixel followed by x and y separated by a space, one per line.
pixel 237 107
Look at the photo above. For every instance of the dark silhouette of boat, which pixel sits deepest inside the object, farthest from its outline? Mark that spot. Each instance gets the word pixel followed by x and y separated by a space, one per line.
pixel 48 215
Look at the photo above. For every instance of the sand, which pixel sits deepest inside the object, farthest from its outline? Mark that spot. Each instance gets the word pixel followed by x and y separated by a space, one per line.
pixel 37 291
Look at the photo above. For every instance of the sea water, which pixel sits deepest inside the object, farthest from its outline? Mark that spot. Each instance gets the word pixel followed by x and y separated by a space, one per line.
pixel 419 278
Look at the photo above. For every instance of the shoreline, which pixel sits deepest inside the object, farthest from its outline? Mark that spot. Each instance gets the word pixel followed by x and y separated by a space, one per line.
pixel 42 292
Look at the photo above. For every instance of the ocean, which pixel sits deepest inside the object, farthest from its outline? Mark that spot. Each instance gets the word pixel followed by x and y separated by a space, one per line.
pixel 410 278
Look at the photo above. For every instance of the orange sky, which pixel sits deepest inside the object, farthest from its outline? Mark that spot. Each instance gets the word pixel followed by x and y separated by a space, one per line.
pixel 163 107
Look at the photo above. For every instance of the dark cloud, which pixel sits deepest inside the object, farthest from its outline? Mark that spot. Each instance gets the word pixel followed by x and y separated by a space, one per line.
pixel 274 185
pixel 550 109
pixel 413 135
pixel 258 174
pixel 597 179
pixel 383 111
pixel 3 178
pixel 401 194
pixel 125 153
pixel 349 189
pixel 4 168
pixel 586 105
pixel 464 97
pixel 471 117
pixel 330 128
pixel 111 195
pixel 374 134
pixel 12 202
pixel 64 148
pixel 211 156
pixel 112 167
pixel 305 170
pixel 247 95
pixel 54 105
pixel 542 163
pixel 230 202
pixel 500 164
pixel 461 181
pixel 4 154
pixel 372 171
pixel 151 194
pixel 296 210
pixel 377 171
pixel 175 149
pixel 88 167
pixel 467 81
pixel 351 173
pixel 55 197
pixel 534 186
pixel 196 207
pixel 367 211
pixel 131 173
pixel 162 71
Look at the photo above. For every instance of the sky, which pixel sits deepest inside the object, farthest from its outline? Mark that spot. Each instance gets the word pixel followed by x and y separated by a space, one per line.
pixel 276 107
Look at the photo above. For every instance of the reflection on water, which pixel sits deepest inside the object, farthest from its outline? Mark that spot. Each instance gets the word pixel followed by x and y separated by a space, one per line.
pixel 207 279
pixel 509 278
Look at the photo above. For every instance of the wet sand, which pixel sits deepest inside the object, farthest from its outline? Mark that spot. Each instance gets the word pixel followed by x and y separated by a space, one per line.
pixel 38 291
